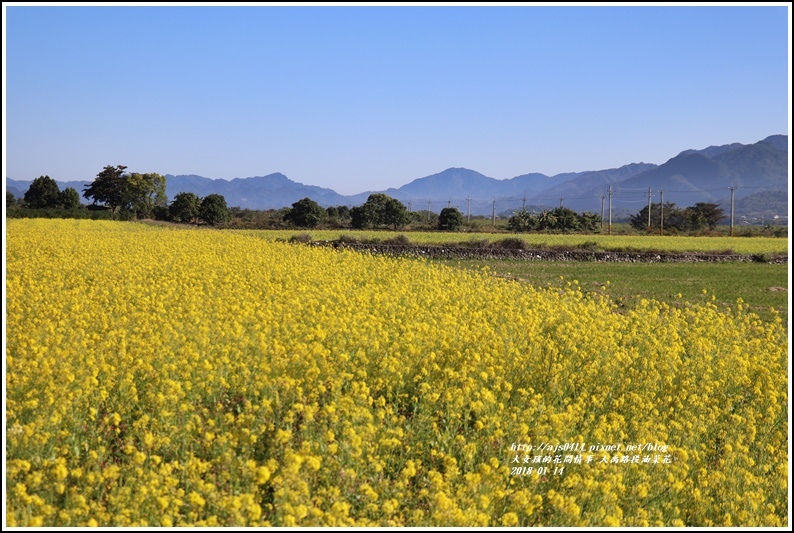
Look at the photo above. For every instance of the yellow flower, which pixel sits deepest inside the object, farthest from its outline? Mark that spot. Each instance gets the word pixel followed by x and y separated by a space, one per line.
pixel 262 475
pixel 510 519
pixel 196 499
pixel 274 381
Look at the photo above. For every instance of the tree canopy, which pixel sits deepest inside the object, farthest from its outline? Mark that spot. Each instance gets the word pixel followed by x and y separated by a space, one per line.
pixel 559 219
pixel 144 192
pixel 450 219
pixel 691 218
pixel 136 193
pixel 108 187
pixel 185 207
pixel 305 213
pixel 43 193
pixel 213 209
pixel 69 198
pixel 379 210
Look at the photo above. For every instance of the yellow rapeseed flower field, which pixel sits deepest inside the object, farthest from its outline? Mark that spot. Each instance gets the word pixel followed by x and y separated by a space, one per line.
pixel 170 377
pixel 666 243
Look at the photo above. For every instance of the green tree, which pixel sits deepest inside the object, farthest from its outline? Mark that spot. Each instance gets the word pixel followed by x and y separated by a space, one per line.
pixel 394 214
pixel 135 193
pixel 361 217
pixel 589 221
pixel 69 198
pixel 108 187
pixel 185 207
pixel 673 217
pixel 213 210
pixel 423 217
pixel 305 213
pixel 547 220
pixel 375 208
pixel 640 220
pixel 338 216
pixel 379 210
pixel 522 221
pixel 566 219
pixel 678 219
pixel 43 193
pixel 706 214
pixel 144 192
pixel 450 219
pixel 11 200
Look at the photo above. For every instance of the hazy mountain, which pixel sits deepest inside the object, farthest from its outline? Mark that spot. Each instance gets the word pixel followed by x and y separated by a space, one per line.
pixel 530 184
pixel 690 177
pixel 760 164
pixel 759 208
pixel 261 192
pixel 453 181
pixel 687 177
pixel 580 194
pixel 693 176
pixel 713 151
pixel 19 187
pixel 697 175
pixel 778 141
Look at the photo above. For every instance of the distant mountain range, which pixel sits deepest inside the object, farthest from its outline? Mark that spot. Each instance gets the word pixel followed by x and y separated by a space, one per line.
pixel 692 176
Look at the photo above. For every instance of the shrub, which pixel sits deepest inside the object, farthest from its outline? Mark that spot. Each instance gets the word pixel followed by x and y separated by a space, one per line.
pixel 398 240
pixel 301 238
pixel 348 239
pixel 475 243
pixel 512 243
pixel 589 245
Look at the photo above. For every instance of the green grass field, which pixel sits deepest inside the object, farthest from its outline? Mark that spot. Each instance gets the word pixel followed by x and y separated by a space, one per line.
pixel 761 286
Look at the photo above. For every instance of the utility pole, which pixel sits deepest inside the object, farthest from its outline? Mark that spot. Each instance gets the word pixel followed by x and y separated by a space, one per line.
pixel 428 211
pixel 493 214
pixel 649 206
pixel 732 189
pixel 561 199
pixel 602 212
pixel 661 213
pixel 468 210
pixel 610 209
pixel 449 202
pixel 409 206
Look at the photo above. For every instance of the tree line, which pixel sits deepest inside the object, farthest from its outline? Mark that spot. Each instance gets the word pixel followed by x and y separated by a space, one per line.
pixel 557 219
pixel 124 195
pixel 121 195
pixel 670 217
pixel 379 211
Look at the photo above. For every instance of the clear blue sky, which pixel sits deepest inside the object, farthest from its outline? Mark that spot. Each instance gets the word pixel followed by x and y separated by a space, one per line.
pixel 365 98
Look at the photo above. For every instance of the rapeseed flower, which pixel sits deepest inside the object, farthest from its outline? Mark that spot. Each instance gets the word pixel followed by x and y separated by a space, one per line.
pixel 173 377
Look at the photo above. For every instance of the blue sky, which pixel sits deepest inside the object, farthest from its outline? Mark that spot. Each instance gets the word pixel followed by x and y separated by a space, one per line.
pixel 365 98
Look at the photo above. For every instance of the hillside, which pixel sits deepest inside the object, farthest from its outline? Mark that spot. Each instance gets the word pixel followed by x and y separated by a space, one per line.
pixel 695 175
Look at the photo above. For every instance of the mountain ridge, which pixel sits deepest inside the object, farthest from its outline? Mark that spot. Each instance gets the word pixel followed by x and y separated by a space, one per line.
pixel 690 176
